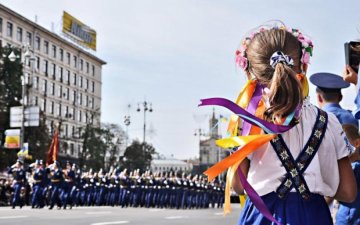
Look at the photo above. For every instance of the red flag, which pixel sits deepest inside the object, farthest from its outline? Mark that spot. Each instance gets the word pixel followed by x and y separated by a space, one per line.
pixel 54 148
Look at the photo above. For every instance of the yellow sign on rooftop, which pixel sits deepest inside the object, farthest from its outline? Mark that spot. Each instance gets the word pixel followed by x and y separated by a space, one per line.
pixel 79 32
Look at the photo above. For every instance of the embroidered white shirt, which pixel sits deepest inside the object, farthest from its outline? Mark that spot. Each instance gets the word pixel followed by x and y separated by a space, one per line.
pixel 322 175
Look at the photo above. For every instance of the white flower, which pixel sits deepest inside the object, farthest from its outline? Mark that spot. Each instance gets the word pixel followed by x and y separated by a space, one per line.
pixel 305 44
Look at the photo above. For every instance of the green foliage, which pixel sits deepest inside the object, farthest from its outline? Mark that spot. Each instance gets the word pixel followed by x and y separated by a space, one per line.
pixel 100 146
pixel 138 156
pixel 10 94
pixel 39 139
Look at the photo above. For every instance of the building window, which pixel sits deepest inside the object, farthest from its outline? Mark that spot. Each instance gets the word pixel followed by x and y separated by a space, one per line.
pixel 81 81
pixel 46 47
pixel 37 43
pixel 61 71
pixel 73 134
pixel 9 29
pixel 68 56
pixel 66 113
pixel 51 107
pixel 81 64
pixel 87 67
pixel 53 70
pixel 66 94
pixel 73 115
pixel 58 110
pixel 92 103
pixel 93 70
pixel 46 67
pixel 80 98
pixel 37 63
pixel 79 116
pixel 44 87
pixel 60 91
pixel 92 86
pixel 74 78
pixel 87 84
pixel 87 101
pixel 1 24
pixel 61 52
pixel 35 82
pixel 66 130
pixel 19 34
pixel 75 61
pixel 35 101
pixel 68 76
pixel 29 38
pixel 43 105
pixel 53 51
pixel 52 88
pixel 74 96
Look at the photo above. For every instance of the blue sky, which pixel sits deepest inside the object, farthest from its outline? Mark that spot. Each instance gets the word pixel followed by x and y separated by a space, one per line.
pixel 175 52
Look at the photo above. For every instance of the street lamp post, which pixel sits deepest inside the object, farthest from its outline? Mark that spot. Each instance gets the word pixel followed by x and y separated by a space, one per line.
pixel 146 107
pixel 26 57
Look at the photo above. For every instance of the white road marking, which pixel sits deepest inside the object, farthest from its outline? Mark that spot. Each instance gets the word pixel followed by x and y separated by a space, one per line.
pixel 175 217
pixel 219 214
pixel 11 217
pixel 156 210
pixel 109 223
pixel 100 212
pixel 93 207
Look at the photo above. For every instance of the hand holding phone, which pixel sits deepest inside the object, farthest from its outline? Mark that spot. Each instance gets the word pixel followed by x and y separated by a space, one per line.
pixel 352 55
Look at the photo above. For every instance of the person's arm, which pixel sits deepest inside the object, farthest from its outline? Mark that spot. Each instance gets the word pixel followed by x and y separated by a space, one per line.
pixel 236 184
pixel 351 76
pixel 347 189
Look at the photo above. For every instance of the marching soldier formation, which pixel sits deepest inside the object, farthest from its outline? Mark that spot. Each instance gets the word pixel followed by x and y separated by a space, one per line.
pixel 51 186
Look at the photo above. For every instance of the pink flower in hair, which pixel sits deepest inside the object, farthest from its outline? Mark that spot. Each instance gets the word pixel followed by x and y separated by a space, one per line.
pixel 241 61
pixel 305 59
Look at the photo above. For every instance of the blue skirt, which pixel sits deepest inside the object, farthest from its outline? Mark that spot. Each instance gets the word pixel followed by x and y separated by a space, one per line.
pixel 292 210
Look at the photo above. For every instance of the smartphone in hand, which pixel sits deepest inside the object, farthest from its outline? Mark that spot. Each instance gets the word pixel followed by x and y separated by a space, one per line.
pixel 352 54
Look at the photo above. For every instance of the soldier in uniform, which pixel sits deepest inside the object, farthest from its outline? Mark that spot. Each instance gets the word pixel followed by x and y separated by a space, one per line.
pixel 56 178
pixel 38 174
pixel 329 96
pixel 19 182
pixel 69 175
pixel 124 194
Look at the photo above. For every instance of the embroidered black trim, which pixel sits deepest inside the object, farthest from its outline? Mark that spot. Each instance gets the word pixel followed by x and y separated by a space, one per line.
pixel 295 169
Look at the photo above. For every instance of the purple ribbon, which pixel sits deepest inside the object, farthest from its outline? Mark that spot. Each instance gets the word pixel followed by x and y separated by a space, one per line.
pixel 255 198
pixel 245 115
pixel 251 108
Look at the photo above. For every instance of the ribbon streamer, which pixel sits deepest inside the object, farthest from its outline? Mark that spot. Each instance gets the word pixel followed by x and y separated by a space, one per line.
pixel 242 113
pixel 255 198
pixel 252 143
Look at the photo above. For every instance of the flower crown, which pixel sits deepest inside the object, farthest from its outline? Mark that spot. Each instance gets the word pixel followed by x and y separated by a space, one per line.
pixel 306 46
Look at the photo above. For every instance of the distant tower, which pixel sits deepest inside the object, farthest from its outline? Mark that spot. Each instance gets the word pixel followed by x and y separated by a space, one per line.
pixel 213 126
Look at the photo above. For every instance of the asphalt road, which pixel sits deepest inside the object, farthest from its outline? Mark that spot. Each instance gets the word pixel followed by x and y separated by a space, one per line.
pixel 115 215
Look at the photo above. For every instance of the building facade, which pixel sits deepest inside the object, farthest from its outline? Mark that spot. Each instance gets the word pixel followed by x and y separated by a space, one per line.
pixel 167 165
pixel 210 153
pixel 65 80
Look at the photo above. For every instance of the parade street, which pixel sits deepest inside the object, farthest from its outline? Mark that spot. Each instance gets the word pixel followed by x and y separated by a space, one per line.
pixel 115 215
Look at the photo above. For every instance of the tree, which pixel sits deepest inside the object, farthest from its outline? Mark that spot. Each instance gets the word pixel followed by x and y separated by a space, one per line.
pixel 138 155
pixel 39 139
pixel 114 137
pixel 10 95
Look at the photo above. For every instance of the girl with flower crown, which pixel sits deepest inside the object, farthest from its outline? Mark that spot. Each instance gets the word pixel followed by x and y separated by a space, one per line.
pixel 296 169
